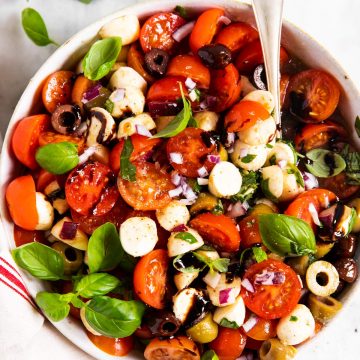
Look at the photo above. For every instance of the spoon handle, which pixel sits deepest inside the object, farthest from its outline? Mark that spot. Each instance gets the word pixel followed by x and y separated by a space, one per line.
pixel 268 15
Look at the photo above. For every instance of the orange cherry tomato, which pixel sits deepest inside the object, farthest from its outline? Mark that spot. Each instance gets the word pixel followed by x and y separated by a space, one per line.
pixel 218 230
pixel 151 189
pixel 167 89
pixel 150 278
pixel 157 31
pixel 90 189
pixel 22 236
pixel 57 89
pixel 226 86
pixel 190 144
pixel 272 301
pixel 236 35
pixel 179 347
pixel 249 231
pixel 229 344
pixel 142 145
pixel 112 346
pixel 135 59
pixel 313 136
pixel 51 137
pixel 25 139
pixel 244 115
pixel 206 26
pixel 323 196
pixel 319 90
pixel 81 86
pixel 43 179
pixel 21 201
pixel 338 184
pixel 263 329
pixel 251 56
pixel 191 67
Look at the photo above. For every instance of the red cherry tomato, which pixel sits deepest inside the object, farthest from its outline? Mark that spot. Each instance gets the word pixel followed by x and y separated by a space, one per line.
pixel 167 89
pixel 90 189
pixel 151 189
pixel 339 185
pixel 43 179
pixel 272 301
pixel 25 139
pixel 50 137
pixel 189 66
pixel 22 236
pixel 229 344
pixel 249 231
pixel 193 150
pixel 218 230
pixel 236 35
pixel 206 26
pixel 112 346
pixel 157 31
pixel 150 278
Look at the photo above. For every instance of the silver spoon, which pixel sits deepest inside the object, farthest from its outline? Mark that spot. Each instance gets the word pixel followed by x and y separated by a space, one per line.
pixel 268 15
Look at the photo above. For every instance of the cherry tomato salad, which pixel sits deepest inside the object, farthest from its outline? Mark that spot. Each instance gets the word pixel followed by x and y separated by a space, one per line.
pixel 167 208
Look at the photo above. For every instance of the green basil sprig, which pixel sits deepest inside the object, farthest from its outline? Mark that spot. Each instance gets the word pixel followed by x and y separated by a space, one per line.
pixel 220 265
pixel 96 284
pixel 209 355
pixel 58 158
pixel 40 261
pixel 186 236
pixel 259 254
pixel 101 57
pixel 127 169
pixel 229 324
pixel 286 235
pixel 248 158
pixel 55 306
pixel 325 163
pixel 35 28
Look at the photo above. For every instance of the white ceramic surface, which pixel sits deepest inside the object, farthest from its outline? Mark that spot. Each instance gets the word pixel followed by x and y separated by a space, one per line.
pixel 296 41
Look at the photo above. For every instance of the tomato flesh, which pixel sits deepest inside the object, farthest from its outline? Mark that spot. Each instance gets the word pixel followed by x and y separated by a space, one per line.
pixel 249 231
pixel 112 346
pixel 167 89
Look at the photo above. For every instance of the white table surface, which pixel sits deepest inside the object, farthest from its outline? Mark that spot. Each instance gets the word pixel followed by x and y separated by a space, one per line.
pixel 335 24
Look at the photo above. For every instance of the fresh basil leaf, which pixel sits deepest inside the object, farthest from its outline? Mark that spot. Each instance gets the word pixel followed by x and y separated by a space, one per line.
pixel 248 158
pixel 181 11
pixel 35 28
pixel 352 159
pixel 76 302
pixel 293 318
pixel 40 261
pixel 228 324
pixel 113 317
pixel 259 254
pixel 179 122
pixel 325 163
pixel 55 306
pixel 101 57
pixel 357 125
pixel 250 183
pixel 220 265
pixel 209 355
pixel 127 169
pixel 353 217
pixel 179 265
pixel 192 122
pixel 286 235
pixel 96 284
pixel 292 169
pixel 272 160
pixel 186 236
pixel 353 178
pixel 57 158
pixel 109 106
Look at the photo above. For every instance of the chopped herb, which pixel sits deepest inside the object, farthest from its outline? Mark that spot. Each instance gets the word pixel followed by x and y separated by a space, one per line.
pixel 269 146
pixel 109 106
pixel 250 183
pixel 181 11
pixel 127 169
pixel 259 254
pixel 195 185
pixel 293 318
pixel 272 160
pixel 186 236
pixel 209 355
pixel 228 324
pixel 218 209
pixel 248 158
pixel 320 160
pixel 220 265
pixel 357 125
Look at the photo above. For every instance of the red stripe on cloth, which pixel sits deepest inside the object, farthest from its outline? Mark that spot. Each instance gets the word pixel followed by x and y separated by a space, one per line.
pixel 17 291
pixel 14 280
pixel 9 265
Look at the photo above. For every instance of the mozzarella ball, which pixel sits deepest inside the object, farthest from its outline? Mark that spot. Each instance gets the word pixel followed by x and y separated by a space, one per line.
pixel 225 180
pixel 281 152
pixel 183 302
pixel 173 214
pixel 225 292
pixel 183 279
pixel 206 120
pixel 262 97
pixel 101 127
pixel 291 186
pixel 138 235
pixel 272 182
pixel 127 127
pixel 177 246
pixel 133 101
pixel 260 133
pixel 126 76
pixel 127 27
pixel 234 313
pixel 296 327
pixel 255 160
pixel 45 212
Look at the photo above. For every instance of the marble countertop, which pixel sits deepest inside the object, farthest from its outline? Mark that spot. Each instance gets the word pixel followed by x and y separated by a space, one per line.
pixel 333 23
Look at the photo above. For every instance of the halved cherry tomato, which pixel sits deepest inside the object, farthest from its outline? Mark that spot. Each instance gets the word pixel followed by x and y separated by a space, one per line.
pixel 151 189
pixel 176 348
pixel 51 137
pixel 142 145
pixel 22 236
pixel 206 26
pixel 323 196
pixel 43 179
pixel 21 201
pixel 81 85
pixel 251 56
pixel 191 67
pixel 226 86
pixel 338 184
pixel 150 278
pixel 167 89
pixel 135 59
pixel 193 149
pixel 236 35
pixel 157 31
pixel 244 115
pixel 229 344
pixel 272 301
pixel 249 231
pixel 57 89
pixel 25 139
pixel 218 230
pixel 112 346
pixel 264 329
pixel 319 90
pixel 313 136
pixel 90 189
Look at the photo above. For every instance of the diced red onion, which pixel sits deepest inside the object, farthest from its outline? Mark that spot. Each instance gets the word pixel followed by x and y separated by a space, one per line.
pixel 243 152
pixel 175 192
pixel 203 105
pixel 212 278
pixel 163 108
pixel 202 181
pixel 300 281
pixel 327 216
pixel 250 323
pixel 269 278
pixel 310 181
pixel 314 214
pixel 202 172
pixel 224 296
pixel 236 210
pixel 85 156
pixel 92 93
pixel 246 284
pixel 230 139
pixel 189 193
pixel 175 178
pixel 210 102
pixel 224 19
pixel 142 130
pixel 176 158
pixel 68 230
pixel 193 95
pixel 215 159
pixel 179 228
pixel 237 227
pixel 190 83
pixel 118 95
pixel 282 164
pixel 183 31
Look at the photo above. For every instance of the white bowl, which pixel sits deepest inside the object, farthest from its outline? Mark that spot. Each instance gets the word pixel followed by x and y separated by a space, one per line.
pixel 295 40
